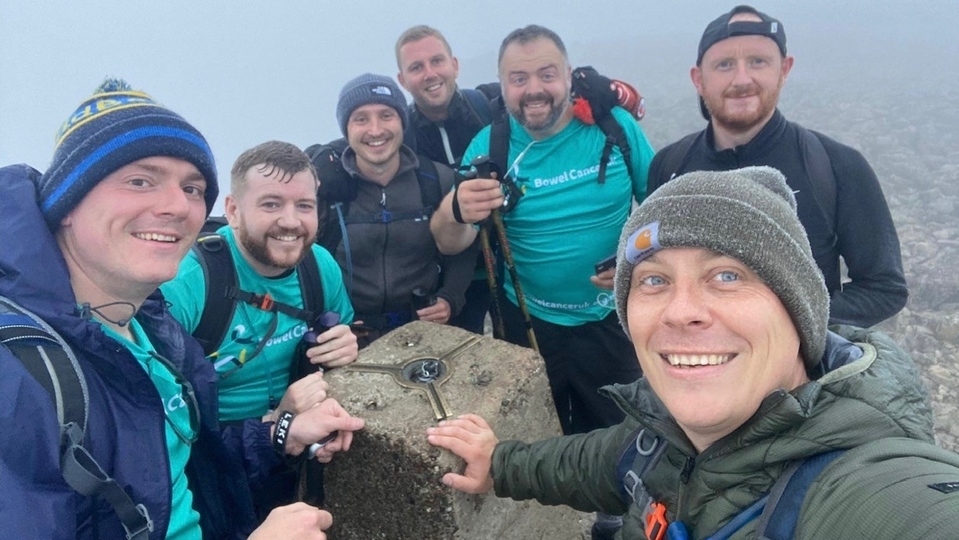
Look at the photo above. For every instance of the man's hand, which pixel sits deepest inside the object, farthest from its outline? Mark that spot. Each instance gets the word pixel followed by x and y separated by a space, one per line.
pixel 303 394
pixel 318 422
pixel 471 438
pixel 478 198
pixel 297 521
pixel 438 312
pixel 604 279
pixel 334 348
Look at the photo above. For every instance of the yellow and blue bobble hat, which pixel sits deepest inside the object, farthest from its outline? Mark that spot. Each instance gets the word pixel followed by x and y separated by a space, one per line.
pixel 113 128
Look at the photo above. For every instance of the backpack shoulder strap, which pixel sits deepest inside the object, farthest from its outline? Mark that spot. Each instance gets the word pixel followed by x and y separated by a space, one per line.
pixel 336 190
pixel 51 362
pixel 640 454
pixel 218 306
pixel 428 177
pixel 615 136
pixel 48 359
pixel 311 286
pixel 778 520
pixel 778 511
pixel 479 104
pixel 673 161
pixel 822 179
pixel 499 140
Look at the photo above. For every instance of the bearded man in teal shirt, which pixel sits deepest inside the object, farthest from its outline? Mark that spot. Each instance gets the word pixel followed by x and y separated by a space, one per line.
pixel 272 226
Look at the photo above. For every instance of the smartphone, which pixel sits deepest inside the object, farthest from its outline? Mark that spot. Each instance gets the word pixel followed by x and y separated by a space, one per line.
pixel 605 264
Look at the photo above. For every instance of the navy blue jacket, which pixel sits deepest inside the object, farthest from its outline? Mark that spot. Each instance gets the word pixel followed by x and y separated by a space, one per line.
pixel 125 426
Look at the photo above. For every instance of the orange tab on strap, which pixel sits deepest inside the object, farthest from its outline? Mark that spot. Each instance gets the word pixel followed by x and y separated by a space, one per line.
pixel 266 302
pixel 655 518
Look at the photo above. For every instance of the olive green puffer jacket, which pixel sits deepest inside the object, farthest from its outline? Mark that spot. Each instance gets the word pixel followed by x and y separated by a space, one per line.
pixel 871 401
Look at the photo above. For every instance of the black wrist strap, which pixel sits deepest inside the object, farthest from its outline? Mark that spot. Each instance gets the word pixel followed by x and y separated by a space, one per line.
pixel 456 208
pixel 282 431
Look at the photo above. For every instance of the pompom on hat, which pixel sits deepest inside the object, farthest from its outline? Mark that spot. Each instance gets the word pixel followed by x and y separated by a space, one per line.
pixel 748 214
pixel 109 130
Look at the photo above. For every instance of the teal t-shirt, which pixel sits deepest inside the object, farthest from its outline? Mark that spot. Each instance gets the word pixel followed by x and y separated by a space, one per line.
pixel 184 520
pixel 248 387
pixel 566 221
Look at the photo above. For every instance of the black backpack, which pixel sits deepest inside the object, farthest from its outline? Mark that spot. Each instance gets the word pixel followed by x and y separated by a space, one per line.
pixel 479 104
pixel 223 291
pixel 50 361
pixel 602 103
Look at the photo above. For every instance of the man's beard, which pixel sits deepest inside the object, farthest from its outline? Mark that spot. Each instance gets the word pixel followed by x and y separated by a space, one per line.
pixel 258 249
pixel 555 113
pixel 740 122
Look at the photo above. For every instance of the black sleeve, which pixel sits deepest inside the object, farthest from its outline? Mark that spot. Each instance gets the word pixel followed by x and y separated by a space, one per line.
pixel 867 242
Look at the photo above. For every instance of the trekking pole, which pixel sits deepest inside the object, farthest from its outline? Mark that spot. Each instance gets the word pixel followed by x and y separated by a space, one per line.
pixel 489 260
pixel 497 218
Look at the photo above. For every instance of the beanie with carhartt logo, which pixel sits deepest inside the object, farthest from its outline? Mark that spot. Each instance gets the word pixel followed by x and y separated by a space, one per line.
pixel 747 214
pixel 109 130
pixel 365 90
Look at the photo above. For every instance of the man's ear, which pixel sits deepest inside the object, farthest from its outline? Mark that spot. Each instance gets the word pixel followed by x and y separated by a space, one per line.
pixel 787 67
pixel 230 210
pixel 402 80
pixel 696 75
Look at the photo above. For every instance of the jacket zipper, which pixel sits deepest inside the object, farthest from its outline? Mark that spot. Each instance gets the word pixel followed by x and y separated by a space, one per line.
pixel 683 480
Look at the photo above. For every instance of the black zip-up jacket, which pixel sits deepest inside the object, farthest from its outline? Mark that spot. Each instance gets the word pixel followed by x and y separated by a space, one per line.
pixel 425 137
pixel 866 236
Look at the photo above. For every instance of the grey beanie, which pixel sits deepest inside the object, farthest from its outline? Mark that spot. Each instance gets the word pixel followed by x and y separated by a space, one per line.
pixel 367 89
pixel 748 214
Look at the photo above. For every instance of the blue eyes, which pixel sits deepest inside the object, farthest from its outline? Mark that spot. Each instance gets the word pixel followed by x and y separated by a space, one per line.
pixel 727 276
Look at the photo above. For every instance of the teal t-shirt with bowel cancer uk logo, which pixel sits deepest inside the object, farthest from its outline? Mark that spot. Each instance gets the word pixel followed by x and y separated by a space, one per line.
pixel 249 386
pixel 567 221
pixel 180 430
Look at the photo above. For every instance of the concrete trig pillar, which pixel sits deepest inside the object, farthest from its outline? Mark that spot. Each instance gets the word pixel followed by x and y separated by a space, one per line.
pixel 388 485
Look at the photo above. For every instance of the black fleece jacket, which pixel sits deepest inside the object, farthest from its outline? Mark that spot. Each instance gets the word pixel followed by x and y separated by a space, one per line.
pixel 866 236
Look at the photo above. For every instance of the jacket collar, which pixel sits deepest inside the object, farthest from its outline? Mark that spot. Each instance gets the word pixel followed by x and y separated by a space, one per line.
pixel 760 145
pixel 456 108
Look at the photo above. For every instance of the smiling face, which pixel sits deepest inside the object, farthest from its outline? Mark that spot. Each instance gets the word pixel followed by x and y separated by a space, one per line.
pixel 536 80
pixel 740 78
pixel 428 71
pixel 131 231
pixel 274 217
pixel 375 133
pixel 713 339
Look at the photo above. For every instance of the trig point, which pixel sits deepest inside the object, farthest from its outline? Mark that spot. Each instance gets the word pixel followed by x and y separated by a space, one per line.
pixel 388 485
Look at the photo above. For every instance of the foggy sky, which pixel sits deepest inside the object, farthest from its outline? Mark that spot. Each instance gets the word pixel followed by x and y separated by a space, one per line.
pixel 245 72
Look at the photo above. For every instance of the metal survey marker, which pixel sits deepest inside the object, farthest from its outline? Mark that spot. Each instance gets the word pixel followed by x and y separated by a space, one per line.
pixel 423 373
